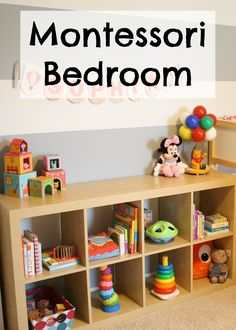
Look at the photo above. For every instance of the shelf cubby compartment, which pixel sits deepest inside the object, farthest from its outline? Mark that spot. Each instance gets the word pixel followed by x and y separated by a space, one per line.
pixel 74 287
pixel 177 210
pixel 181 260
pixel 218 200
pixel 204 284
pixel 127 282
pixel 67 228
pixel 100 218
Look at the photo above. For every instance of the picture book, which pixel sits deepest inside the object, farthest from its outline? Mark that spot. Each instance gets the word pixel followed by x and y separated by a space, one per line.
pixel 216 230
pixel 37 250
pixel 125 226
pixel 129 211
pixel 208 233
pixel 216 218
pixel 198 224
pixel 117 237
pixel 129 225
pixel 101 246
pixel 124 231
pixel 217 224
pixel 50 262
pixel 30 256
pixel 147 219
pixel 25 257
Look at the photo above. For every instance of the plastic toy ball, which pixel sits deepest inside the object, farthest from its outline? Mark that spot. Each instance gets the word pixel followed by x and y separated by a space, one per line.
pixel 192 121
pixel 162 231
pixel 198 134
pixel 206 122
pixel 213 117
pixel 211 134
pixel 185 132
pixel 199 111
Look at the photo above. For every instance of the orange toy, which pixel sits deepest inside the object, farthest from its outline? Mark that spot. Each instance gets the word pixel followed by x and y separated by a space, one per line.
pixel 201 259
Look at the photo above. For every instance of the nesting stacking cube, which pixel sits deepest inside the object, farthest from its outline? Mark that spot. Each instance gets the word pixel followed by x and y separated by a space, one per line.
pixel 18 168
pixel 18 163
pixel 53 169
pixel 40 186
pixel 17 185
pixel 18 146
pixel 58 177
pixel 52 162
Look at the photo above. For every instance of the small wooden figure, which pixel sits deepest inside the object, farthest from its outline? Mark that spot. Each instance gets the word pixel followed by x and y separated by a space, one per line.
pixel 18 163
pixel 17 185
pixel 52 162
pixel 58 177
pixel 18 146
pixel 60 308
pixel 40 186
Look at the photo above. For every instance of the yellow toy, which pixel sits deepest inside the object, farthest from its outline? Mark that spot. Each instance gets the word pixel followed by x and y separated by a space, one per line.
pixel 197 158
pixel 18 163
pixel 197 165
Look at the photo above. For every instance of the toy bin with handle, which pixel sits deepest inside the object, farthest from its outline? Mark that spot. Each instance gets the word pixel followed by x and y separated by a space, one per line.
pixel 59 320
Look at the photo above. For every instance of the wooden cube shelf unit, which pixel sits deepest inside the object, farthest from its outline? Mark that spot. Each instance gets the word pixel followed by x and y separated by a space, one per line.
pixel 87 208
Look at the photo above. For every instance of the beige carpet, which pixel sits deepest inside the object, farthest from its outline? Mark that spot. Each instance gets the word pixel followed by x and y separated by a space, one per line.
pixel 216 311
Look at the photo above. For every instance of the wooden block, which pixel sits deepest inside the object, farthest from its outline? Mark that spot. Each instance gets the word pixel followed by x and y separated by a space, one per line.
pixel 52 162
pixel 18 163
pixel 40 186
pixel 17 185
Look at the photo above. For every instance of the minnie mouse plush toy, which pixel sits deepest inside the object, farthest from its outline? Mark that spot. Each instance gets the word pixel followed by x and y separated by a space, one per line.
pixel 169 163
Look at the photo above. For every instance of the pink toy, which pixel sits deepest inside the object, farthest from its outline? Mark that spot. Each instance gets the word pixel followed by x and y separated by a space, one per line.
pixel 52 162
pixel 169 163
pixel 58 177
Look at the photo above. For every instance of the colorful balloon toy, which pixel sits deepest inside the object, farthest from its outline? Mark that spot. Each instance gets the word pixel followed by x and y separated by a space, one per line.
pixel 198 126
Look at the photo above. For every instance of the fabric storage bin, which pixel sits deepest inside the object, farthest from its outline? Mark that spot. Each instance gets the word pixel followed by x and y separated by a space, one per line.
pixel 61 320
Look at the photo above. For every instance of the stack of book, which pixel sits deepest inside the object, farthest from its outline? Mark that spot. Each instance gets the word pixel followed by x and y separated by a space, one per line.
pixel 198 225
pixel 216 223
pixel 125 221
pixel 32 254
pixel 119 235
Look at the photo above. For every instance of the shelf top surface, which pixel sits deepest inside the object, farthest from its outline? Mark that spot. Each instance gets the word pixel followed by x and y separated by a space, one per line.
pixel 110 191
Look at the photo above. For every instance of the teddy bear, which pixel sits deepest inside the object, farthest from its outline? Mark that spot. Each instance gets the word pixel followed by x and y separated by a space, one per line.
pixel 218 269
pixel 169 163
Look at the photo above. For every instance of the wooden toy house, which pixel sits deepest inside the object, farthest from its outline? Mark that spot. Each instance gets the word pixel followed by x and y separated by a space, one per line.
pixel 40 186
pixel 17 185
pixel 53 169
pixel 18 146
pixel 58 177
pixel 52 162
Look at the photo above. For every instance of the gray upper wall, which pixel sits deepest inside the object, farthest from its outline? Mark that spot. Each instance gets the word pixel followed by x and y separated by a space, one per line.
pixel 100 154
